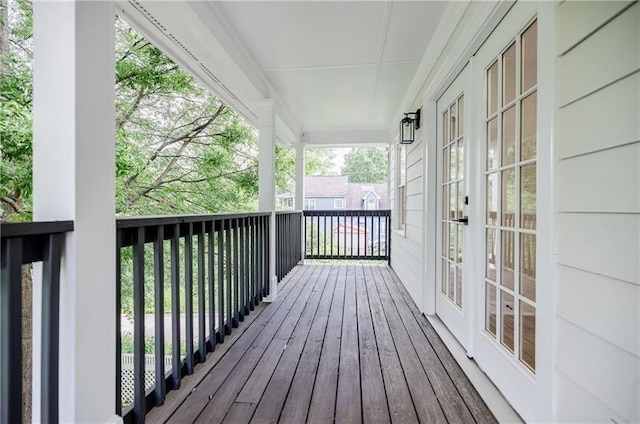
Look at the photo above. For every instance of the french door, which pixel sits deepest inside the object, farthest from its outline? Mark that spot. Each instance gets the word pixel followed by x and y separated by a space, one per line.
pixel 493 152
pixel 452 300
pixel 505 337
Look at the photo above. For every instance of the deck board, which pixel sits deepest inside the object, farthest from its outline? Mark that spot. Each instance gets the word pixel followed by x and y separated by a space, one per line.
pixel 342 343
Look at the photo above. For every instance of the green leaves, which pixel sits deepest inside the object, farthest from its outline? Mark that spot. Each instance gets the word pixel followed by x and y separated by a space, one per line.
pixel 366 165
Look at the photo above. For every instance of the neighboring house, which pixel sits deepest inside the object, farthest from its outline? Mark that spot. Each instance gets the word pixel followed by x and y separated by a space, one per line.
pixel 335 192
pixel 329 192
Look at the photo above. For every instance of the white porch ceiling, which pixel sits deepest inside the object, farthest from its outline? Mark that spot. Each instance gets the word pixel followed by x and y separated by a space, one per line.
pixel 339 68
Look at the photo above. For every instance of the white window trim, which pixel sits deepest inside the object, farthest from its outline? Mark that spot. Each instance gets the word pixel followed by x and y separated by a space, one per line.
pixel 338 203
pixel 309 204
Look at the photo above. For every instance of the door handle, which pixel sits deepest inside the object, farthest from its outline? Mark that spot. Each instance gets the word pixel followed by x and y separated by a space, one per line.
pixel 464 220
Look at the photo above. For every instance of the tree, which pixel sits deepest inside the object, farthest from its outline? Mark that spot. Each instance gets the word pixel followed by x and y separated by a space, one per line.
pixel 366 165
pixel 316 162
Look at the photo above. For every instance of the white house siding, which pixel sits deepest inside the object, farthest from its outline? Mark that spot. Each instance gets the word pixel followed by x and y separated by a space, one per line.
pixel 597 187
pixel 407 246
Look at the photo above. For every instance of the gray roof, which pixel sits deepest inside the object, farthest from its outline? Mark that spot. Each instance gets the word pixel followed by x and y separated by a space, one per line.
pixel 326 186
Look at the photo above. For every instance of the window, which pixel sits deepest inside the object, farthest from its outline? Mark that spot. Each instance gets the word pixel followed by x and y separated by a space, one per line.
pixel 338 203
pixel 309 204
pixel 401 200
pixel 372 204
pixel 510 182
pixel 283 203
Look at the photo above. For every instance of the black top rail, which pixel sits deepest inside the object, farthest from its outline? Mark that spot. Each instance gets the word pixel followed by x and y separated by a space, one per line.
pixel 21 244
pixel 348 234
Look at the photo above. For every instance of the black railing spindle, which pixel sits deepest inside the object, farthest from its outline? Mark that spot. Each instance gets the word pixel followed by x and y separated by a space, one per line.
pixel 370 228
pixel 158 270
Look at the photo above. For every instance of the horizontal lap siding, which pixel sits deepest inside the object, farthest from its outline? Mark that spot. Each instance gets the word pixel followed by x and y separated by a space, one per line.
pixel 407 249
pixel 597 185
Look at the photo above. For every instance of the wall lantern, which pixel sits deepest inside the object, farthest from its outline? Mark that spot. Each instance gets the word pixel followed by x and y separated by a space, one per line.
pixel 408 127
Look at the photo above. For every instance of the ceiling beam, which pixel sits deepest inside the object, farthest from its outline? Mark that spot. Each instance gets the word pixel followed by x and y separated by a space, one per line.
pixel 346 138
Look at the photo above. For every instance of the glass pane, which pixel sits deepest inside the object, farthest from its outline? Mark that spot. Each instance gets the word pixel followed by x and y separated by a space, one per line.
pixel 461 115
pixel 460 159
pixel 402 174
pixel 445 240
pixel 528 127
pixel 492 143
pixel 452 280
pixel 509 136
pixel 492 199
pixel 506 316
pixel 492 89
pixel 490 271
pixel 460 244
pixel 490 309
pixel 445 165
pixel 528 266
pixel 452 123
pixel 445 201
pixel 454 160
pixel 509 74
pixel 528 335
pixel 460 199
pixel 453 201
pixel 459 287
pixel 452 240
pixel 445 128
pixel 445 273
pixel 508 197
pixel 529 57
pixel 508 258
pixel 528 197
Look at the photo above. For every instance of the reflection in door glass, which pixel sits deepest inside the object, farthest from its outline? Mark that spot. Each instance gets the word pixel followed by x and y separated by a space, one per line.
pixel 490 309
pixel 506 317
pixel 509 136
pixel 491 255
pixel 528 131
pixel 509 75
pixel 508 197
pixel 528 335
pixel 507 260
pixel 528 266
pixel 511 196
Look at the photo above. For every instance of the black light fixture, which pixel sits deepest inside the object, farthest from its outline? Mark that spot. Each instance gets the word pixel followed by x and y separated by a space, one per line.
pixel 408 127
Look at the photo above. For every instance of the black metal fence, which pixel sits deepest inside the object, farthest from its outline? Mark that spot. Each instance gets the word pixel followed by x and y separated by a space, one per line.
pixel 215 268
pixel 288 242
pixel 26 243
pixel 347 234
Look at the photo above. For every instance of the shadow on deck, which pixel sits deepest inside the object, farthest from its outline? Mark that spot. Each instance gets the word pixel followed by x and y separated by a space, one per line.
pixel 343 343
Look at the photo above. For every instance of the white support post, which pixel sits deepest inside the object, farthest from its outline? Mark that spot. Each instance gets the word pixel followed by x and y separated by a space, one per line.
pixel 267 183
pixel 299 205
pixel 74 179
pixel 299 196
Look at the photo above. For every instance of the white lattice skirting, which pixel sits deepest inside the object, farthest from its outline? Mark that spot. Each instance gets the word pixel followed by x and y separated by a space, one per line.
pixel 149 374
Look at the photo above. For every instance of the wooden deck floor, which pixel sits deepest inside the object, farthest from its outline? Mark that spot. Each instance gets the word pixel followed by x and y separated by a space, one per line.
pixel 343 343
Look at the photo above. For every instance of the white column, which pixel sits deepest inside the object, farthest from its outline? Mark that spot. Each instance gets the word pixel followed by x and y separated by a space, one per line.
pixel 74 179
pixel 299 196
pixel 299 205
pixel 267 183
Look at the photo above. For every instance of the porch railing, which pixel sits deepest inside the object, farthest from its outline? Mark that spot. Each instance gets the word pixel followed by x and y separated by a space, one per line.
pixel 216 270
pixel 347 234
pixel 23 244
pixel 288 242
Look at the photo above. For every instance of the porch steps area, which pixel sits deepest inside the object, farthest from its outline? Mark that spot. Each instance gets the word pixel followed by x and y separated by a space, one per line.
pixel 341 343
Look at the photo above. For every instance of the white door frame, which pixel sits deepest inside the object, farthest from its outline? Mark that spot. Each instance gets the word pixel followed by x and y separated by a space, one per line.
pixel 540 407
